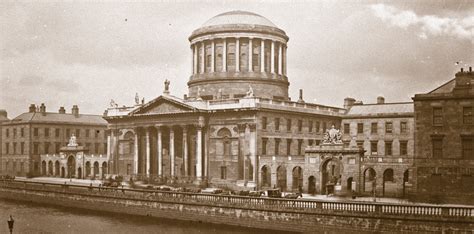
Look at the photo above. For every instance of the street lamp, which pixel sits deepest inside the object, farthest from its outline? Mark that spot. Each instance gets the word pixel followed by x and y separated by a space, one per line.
pixel 10 224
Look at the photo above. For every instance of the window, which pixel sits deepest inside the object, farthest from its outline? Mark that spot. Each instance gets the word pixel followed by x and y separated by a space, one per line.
pixel 7 133
pixel 227 147
pixel 223 172
pixel 311 142
pixel 14 147
pixel 388 127
pixel 264 146
pixel 56 134
pixel 264 122
pixel 46 147
pixel 277 124
pixel 467 148
pixel 467 115
pixel 360 144
pixel 373 128
pixel 46 132
pixel 318 126
pixel 360 128
pixel 288 147
pixel 388 148
pixel 373 148
pixel 277 146
pixel 310 128
pixel 403 127
pixel 403 148
pixel 96 133
pixel 7 148
pixel 230 60
pixel 22 132
pixel 22 147
pixel 437 147
pixel 324 126
pixel 14 133
pixel 208 62
pixel 437 116
pixel 57 147
pixel 300 146
pixel 35 132
pixel 78 132
pixel 288 125
pixel 68 133
pixel 318 142
pixel 300 125
pixel 87 132
pixel 96 147
pixel 35 148
pixel 346 128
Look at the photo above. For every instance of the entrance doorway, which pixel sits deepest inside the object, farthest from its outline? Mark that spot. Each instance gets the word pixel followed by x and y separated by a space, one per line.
pixel 281 177
pixel 71 167
pixel 311 185
pixel 331 172
pixel 266 177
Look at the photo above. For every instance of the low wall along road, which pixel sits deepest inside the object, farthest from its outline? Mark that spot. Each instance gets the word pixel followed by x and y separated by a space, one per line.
pixel 266 213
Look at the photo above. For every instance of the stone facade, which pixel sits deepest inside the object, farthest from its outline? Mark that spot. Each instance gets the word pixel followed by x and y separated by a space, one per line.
pixel 444 162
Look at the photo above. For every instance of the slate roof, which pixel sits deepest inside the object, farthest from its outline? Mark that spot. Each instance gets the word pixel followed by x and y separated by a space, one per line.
pixel 50 117
pixel 400 108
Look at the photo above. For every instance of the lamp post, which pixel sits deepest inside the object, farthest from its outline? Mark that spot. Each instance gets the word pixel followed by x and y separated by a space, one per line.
pixel 10 222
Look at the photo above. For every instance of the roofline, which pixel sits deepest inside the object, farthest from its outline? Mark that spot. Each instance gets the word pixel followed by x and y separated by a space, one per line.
pixel 441 86
pixel 386 103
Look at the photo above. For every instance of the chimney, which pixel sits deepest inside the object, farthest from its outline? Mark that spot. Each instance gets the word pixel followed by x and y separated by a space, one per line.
pixel 301 96
pixel 380 100
pixel 43 109
pixel 470 69
pixel 62 110
pixel 75 110
pixel 32 108
pixel 348 102
pixel 185 97
pixel 462 69
pixel 4 113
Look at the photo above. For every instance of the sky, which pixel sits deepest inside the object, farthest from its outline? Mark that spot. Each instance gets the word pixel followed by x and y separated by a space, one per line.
pixel 88 52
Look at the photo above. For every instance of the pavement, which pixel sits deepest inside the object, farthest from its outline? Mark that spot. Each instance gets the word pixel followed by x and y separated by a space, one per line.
pixel 305 195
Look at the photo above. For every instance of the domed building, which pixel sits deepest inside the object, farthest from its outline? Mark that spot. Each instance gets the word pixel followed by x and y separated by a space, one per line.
pixel 236 127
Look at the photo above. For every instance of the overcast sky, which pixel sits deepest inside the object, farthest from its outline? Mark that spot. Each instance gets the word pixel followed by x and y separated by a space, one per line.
pixel 87 53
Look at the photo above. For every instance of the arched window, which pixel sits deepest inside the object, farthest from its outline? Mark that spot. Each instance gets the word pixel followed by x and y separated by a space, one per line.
pixel 225 134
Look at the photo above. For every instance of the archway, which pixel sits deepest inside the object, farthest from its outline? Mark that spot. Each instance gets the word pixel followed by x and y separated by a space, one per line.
pixel 388 181
pixel 405 181
pixel 281 177
pixel 297 178
pixel 349 184
pixel 266 176
pixel 88 169
pixel 56 169
pixel 369 179
pixel 63 173
pixel 71 166
pixel 79 173
pixel 50 168
pixel 312 185
pixel 331 172
pixel 43 168
pixel 96 169
pixel 104 169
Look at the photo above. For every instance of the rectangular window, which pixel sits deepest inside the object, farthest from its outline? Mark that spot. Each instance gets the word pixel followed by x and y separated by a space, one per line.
pixel 288 125
pixel 46 147
pixel 318 126
pixel 35 148
pixel 87 132
pixel 223 172
pixel 104 147
pixel 277 124
pixel 277 146
pixel 57 133
pixel 437 147
pixel 46 132
pixel 14 147
pixel 96 147
pixel 324 126
pixel 388 127
pixel 288 147
pixel 403 127
pixel 7 132
pixel 318 142
pixel 264 146
pixel 78 132
pixel 360 144
pixel 300 146
pixel 68 133
pixel 7 148
pixel 373 148
pixel 14 133
pixel 373 128
pixel 310 128
pixel 467 115
pixel 347 128
pixel 403 148
pixel 388 148
pixel 467 148
pixel 57 147
pixel 35 132
pixel 264 122
pixel 437 116
pixel 22 147
pixel 300 125
pixel 360 128
pixel 22 132
pixel 311 142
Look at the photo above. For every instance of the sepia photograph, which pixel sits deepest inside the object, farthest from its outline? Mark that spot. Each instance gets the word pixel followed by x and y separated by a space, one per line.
pixel 245 116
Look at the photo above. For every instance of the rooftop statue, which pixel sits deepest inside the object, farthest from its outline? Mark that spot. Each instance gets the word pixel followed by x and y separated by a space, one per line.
pixel 72 141
pixel 332 136
pixel 167 86
pixel 250 92
pixel 112 103
pixel 137 99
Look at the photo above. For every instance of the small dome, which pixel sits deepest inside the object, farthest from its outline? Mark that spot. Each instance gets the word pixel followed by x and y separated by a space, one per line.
pixel 238 17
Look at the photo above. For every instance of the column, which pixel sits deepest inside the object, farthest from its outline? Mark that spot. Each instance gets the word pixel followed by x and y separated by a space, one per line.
pixel 253 148
pixel 272 58
pixel 280 60
pixel 172 150
pixel 203 57
pixel 192 59
pixel 159 150
pixel 284 60
pixel 224 55
pixel 241 152
pixel 112 147
pixel 250 55
pixel 195 60
pixel 198 152
pixel 206 159
pixel 54 169
pixel 135 155
pixel 185 149
pixel 213 53
pixel 262 56
pixel 47 168
pixel 237 54
pixel 108 146
pixel 147 162
pixel 100 171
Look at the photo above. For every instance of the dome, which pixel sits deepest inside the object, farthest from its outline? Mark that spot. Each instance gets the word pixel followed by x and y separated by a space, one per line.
pixel 239 17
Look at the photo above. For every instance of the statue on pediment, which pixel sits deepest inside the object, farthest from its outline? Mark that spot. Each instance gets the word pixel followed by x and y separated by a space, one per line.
pixel 332 136
pixel 250 92
pixel 137 99
pixel 167 86
pixel 72 141
pixel 113 103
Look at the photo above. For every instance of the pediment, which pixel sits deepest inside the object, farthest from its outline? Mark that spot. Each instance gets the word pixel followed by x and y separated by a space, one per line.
pixel 162 105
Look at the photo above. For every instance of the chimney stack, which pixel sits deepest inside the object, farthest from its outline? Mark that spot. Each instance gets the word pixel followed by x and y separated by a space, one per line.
pixel 75 110
pixel 43 109
pixel 380 100
pixel 462 69
pixel 301 96
pixel 348 102
pixel 470 69
pixel 62 110
pixel 4 113
pixel 185 97
pixel 32 108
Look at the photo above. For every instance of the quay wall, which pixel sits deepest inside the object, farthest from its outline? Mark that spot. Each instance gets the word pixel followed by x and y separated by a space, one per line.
pixel 265 213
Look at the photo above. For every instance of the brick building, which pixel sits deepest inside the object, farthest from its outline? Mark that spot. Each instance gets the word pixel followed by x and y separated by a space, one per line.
pixel 36 132
pixel 444 162
pixel 385 131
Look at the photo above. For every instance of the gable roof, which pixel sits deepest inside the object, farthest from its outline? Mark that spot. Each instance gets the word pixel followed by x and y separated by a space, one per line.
pixel 401 108
pixel 164 104
pixel 446 87
pixel 50 117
